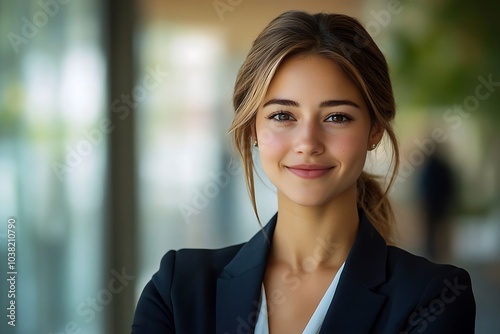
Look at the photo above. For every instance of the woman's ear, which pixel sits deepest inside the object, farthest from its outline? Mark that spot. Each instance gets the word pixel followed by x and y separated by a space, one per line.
pixel 376 134
pixel 253 137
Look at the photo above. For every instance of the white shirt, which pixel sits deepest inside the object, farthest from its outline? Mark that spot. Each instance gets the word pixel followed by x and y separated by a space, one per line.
pixel 316 321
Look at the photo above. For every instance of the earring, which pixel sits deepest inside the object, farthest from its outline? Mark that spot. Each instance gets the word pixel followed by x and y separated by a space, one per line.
pixel 374 146
pixel 255 144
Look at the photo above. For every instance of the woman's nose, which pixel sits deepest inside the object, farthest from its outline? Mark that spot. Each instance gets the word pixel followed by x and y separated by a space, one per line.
pixel 309 139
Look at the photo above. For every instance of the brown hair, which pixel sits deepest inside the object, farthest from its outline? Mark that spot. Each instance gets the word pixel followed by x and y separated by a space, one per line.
pixel 344 40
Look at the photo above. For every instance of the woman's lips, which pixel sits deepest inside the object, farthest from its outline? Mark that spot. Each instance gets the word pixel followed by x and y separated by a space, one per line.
pixel 309 171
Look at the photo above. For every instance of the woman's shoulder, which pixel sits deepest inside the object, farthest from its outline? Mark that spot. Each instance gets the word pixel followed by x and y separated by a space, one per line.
pixel 426 281
pixel 434 295
pixel 186 277
pixel 195 261
pixel 404 264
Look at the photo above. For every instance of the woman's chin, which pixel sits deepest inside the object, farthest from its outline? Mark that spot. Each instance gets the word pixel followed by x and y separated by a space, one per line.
pixel 308 200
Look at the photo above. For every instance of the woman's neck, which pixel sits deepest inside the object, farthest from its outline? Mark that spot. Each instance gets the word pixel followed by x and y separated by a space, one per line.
pixel 320 236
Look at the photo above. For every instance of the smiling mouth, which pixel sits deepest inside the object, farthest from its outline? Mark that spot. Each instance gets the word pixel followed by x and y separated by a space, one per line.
pixel 309 171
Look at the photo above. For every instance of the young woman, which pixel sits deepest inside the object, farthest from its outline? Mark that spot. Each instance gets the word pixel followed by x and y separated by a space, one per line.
pixel 312 98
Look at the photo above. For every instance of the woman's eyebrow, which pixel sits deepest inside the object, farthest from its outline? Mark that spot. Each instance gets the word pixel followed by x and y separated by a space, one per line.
pixel 334 103
pixel 282 102
pixel 324 104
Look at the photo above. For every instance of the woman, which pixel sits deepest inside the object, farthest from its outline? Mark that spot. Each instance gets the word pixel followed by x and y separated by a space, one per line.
pixel 312 98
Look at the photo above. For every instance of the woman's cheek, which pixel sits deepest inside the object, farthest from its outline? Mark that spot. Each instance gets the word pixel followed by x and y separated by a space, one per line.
pixel 350 146
pixel 272 138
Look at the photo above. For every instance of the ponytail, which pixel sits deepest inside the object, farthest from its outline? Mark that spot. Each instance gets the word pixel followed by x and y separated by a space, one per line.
pixel 376 205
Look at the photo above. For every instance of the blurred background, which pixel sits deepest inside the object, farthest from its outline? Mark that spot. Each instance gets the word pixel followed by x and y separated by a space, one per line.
pixel 114 146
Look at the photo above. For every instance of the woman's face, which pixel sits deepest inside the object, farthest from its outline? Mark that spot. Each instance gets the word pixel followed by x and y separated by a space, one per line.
pixel 313 131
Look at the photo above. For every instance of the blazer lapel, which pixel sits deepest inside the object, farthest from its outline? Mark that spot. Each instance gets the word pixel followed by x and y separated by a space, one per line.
pixel 239 284
pixel 355 305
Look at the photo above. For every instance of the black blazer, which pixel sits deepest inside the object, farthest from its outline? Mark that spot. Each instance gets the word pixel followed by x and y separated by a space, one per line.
pixel 382 289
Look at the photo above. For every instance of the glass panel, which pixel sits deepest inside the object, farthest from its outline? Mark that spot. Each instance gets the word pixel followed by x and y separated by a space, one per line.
pixel 52 163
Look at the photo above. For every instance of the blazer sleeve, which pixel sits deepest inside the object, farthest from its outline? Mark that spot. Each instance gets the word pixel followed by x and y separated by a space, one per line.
pixel 154 312
pixel 446 306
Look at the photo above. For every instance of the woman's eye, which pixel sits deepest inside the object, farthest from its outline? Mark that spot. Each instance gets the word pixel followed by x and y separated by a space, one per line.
pixel 338 118
pixel 281 117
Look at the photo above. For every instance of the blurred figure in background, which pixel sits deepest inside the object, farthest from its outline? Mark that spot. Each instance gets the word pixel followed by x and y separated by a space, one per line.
pixel 438 198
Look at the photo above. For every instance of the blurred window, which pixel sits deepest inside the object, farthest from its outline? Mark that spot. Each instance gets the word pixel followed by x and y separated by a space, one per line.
pixel 52 161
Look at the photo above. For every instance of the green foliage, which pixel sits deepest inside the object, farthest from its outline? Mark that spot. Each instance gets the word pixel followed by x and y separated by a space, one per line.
pixel 441 55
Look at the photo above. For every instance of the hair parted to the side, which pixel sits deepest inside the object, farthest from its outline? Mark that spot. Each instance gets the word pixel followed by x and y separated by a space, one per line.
pixel 342 39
